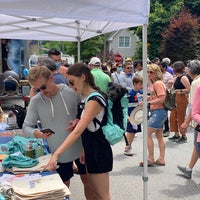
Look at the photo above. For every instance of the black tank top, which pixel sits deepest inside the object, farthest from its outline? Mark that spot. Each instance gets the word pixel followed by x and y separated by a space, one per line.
pixel 178 84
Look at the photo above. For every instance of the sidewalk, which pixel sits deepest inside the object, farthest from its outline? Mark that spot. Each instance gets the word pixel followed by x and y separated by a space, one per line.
pixel 164 183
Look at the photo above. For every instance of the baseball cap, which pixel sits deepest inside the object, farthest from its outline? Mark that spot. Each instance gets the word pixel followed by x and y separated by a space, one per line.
pixel 167 60
pixel 95 61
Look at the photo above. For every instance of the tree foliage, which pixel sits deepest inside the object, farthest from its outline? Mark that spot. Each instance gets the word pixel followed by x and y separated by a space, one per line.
pixel 181 38
pixel 161 12
pixel 89 48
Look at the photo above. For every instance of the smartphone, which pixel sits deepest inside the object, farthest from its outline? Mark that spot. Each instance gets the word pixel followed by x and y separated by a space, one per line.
pixel 47 130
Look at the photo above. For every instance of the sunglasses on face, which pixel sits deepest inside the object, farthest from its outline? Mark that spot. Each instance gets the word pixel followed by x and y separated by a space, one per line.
pixel 129 68
pixel 150 72
pixel 43 87
pixel 71 83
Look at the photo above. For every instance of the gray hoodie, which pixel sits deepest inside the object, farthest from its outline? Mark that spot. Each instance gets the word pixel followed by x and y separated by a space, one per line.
pixel 54 113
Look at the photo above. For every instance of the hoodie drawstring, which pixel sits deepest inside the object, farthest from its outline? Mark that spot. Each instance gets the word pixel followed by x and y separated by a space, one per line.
pixel 64 104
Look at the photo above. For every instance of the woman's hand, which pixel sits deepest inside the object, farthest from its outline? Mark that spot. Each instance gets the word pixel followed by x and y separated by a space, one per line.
pixel 52 164
pixel 82 157
pixel 170 83
pixel 140 103
pixel 72 125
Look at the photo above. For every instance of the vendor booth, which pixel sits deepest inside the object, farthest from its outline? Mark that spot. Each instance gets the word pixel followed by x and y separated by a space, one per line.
pixel 76 21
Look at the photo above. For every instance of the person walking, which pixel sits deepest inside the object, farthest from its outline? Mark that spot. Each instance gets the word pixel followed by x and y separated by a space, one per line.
pixel 118 75
pixel 128 76
pixel 101 79
pixel 158 115
pixel 131 130
pixel 177 115
pixel 167 79
pixel 194 71
pixel 97 152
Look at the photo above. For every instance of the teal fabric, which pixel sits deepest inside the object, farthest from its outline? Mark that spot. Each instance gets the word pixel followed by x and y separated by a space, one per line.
pixel 19 161
pixel 124 103
pixel 1 197
pixel 18 143
pixel 113 132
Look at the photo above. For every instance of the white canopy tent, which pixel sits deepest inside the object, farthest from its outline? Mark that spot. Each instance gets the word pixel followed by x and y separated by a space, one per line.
pixel 78 20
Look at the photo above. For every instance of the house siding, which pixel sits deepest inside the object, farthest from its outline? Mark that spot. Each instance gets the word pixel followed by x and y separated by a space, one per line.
pixel 113 43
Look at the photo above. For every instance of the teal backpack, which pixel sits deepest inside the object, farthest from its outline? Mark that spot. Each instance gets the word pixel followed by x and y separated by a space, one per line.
pixel 116 114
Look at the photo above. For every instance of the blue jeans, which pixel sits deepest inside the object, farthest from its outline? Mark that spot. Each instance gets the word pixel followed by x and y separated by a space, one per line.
pixel 14 55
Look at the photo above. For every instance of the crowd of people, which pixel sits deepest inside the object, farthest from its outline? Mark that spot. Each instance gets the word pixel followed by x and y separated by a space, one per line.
pixel 57 90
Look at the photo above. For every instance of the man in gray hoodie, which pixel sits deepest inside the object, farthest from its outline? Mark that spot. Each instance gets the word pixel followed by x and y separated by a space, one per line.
pixel 54 106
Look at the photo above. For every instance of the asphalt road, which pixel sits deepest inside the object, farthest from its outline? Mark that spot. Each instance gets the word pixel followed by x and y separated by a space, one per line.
pixel 164 183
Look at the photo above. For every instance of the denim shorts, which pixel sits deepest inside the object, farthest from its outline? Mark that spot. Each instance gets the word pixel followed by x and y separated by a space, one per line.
pixel 157 118
pixel 133 128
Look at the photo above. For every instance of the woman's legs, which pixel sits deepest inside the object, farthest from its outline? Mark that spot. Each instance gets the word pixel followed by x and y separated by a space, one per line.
pixel 150 144
pixel 100 183
pixel 182 102
pixel 161 144
pixel 173 122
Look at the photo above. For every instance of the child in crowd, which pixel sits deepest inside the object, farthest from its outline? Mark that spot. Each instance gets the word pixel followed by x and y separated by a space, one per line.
pixel 133 103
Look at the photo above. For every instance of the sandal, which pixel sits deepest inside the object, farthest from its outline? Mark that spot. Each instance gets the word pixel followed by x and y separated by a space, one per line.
pixel 159 163
pixel 149 164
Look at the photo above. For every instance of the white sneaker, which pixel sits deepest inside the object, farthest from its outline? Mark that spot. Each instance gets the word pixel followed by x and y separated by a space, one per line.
pixel 128 151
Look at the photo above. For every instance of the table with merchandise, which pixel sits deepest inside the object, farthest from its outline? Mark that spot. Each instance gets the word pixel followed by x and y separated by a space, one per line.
pixel 21 160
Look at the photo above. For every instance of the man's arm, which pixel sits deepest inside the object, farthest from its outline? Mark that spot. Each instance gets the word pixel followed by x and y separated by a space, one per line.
pixel 31 119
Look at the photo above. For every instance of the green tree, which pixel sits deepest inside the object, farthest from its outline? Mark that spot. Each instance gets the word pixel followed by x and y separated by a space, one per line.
pixel 161 13
pixel 89 48
pixel 181 38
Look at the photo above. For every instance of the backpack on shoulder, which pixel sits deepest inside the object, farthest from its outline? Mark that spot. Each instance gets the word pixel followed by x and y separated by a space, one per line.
pixel 116 112
pixel 170 100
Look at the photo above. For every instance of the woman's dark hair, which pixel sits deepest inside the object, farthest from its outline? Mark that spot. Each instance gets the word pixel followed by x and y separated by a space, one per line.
pixel 163 64
pixel 79 69
pixel 178 67
pixel 136 62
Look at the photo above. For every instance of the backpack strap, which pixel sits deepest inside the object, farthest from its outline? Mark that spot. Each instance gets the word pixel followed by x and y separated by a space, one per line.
pixel 94 96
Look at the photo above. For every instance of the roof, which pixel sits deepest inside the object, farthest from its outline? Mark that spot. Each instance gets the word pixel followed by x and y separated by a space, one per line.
pixel 68 20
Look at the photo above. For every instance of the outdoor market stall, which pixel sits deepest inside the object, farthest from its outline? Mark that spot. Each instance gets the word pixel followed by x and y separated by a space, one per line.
pixel 76 21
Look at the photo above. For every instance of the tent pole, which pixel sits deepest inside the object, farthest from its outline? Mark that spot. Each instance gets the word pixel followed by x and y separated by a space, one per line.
pixel 78 41
pixel 145 168
pixel 79 49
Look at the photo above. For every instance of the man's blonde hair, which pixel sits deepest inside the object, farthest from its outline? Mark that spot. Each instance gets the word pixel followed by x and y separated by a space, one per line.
pixel 37 72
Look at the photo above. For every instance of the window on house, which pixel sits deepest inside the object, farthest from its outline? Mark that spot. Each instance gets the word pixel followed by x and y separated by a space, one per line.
pixel 124 42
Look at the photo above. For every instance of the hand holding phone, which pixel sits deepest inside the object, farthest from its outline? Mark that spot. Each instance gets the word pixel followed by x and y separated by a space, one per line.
pixel 47 130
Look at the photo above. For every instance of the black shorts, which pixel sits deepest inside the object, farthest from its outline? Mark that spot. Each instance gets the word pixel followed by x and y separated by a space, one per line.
pixel 98 152
pixel 65 170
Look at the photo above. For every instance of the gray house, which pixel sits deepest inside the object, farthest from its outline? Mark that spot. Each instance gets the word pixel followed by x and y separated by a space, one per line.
pixel 123 42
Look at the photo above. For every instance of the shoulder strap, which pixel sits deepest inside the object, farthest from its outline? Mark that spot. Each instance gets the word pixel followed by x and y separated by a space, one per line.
pixel 94 94
pixel 117 77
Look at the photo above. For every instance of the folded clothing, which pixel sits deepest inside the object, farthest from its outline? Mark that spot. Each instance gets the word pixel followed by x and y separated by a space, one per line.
pixel 18 143
pixel 19 160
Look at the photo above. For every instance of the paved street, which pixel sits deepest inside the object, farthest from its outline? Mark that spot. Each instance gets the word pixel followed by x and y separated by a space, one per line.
pixel 164 182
